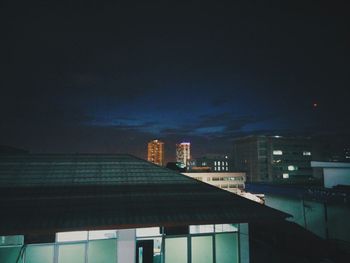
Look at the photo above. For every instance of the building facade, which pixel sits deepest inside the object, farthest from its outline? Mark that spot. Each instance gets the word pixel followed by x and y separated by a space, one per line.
pixel 232 182
pixel 183 153
pixel 155 152
pixel 213 163
pixel 273 158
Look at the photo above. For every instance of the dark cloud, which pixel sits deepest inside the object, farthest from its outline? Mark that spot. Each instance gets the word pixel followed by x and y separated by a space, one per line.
pixel 220 101
pixel 112 76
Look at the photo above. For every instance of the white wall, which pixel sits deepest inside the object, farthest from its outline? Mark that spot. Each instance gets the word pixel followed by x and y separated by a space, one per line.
pixel 308 214
pixel 126 246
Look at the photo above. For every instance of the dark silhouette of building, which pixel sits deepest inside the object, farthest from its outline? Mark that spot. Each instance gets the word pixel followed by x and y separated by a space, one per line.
pixel 273 158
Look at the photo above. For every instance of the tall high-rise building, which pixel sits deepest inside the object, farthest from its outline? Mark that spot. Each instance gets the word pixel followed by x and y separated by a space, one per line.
pixel 155 152
pixel 183 153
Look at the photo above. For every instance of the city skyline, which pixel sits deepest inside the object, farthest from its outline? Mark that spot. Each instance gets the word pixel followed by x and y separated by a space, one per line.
pixel 110 77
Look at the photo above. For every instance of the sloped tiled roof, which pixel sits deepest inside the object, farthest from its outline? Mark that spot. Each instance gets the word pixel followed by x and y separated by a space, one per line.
pixel 61 192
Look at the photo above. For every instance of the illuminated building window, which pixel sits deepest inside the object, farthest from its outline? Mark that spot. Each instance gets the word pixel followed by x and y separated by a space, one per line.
pixel 277 152
pixel 305 153
pixel 219 163
pixel 285 176
pixel 292 168
pixel 215 163
pixel 219 168
pixel 226 168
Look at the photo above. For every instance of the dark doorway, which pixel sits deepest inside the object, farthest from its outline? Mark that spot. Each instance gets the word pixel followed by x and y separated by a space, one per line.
pixel 144 251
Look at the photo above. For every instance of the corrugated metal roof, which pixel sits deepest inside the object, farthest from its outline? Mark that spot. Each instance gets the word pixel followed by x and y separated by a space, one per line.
pixel 58 192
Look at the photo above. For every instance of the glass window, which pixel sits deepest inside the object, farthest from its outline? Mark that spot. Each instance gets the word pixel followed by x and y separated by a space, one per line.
pixel 226 228
pixel 102 234
pixel 176 250
pixel 285 176
pixel 39 254
pixel 9 254
pixel 197 229
pixel 226 245
pixel 202 249
pixel 292 168
pixel 148 232
pixel 277 152
pixel 306 153
pixel 102 251
pixel 71 236
pixel 71 253
pixel 11 240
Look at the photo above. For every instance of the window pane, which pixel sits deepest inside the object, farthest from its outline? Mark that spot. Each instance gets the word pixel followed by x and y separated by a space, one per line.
pixel 71 236
pixel 39 254
pixel 197 229
pixel 176 250
pixel 226 228
pixel 102 251
pixel 9 254
pixel 202 249
pixel 11 240
pixel 147 231
pixel 226 246
pixel 74 253
pixel 102 234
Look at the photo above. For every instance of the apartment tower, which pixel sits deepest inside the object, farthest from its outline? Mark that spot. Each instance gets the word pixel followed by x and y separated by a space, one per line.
pixel 155 152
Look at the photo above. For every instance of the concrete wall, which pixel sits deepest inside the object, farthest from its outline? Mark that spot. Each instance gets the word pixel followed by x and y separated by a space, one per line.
pixel 335 176
pixel 126 246
pixel 332 220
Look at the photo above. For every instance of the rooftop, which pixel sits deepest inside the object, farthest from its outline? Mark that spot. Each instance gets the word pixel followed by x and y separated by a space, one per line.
pixel 330 164
pixel 44 193
pixel 340 194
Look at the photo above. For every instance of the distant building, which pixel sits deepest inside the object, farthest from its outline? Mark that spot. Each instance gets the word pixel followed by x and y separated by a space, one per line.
pixel 175 166
pixel 333 174
pixel 273 158
pixel 212 163
pixel 155 152
pixel 232 182
pixel 331 149
pixel 183 153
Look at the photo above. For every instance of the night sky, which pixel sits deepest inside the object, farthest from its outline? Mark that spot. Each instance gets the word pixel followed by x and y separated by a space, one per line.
pixel 109 77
